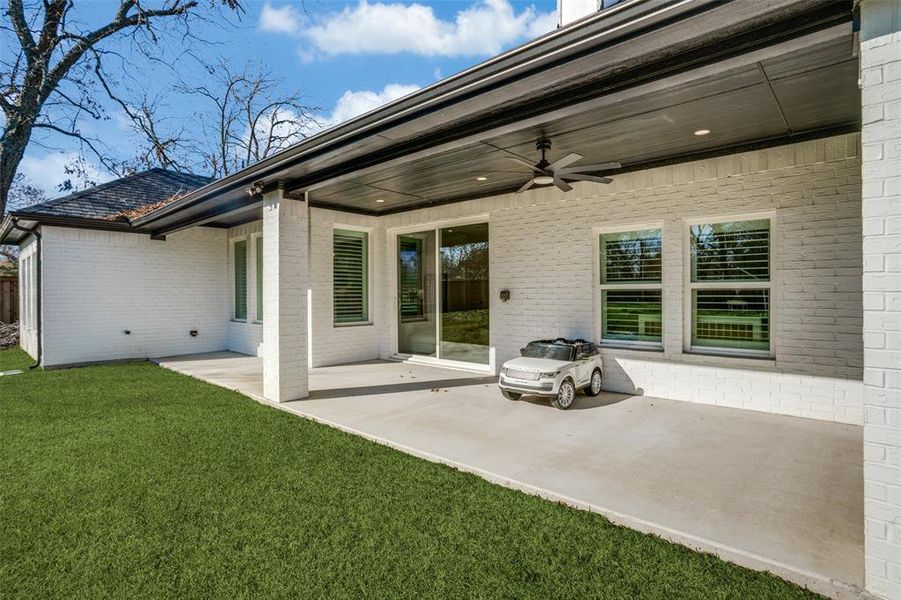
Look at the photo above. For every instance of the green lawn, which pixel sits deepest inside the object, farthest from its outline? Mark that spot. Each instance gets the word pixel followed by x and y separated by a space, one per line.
pixel 131 481
pixel 14 358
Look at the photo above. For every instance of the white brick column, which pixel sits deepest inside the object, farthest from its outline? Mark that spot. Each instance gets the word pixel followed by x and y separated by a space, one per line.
pixel 880 76
pixel 286 277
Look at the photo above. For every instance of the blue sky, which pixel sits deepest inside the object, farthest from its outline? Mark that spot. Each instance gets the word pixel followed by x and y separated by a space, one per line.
pixel 346 57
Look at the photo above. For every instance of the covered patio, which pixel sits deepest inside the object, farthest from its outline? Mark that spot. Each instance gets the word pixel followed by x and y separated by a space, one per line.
pixel 770 492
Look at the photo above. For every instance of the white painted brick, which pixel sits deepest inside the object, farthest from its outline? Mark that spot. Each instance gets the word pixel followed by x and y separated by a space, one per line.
pixel 98 284
pixel 881 88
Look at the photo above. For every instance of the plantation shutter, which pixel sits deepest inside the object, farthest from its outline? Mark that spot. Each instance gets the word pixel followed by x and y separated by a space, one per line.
pixel 631 257
pixel 351 274
pixel 730 285
pixel 259 251
pixel 411 306
pixel 241 279
pixel 631 287
pixel 736 251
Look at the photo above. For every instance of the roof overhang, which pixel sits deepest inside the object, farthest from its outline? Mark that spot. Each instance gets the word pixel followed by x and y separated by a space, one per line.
pixel 11 234
pixel 624 85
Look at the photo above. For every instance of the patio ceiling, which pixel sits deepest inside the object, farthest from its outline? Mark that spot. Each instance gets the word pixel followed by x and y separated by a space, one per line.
pixel 630 86
pixel 772 100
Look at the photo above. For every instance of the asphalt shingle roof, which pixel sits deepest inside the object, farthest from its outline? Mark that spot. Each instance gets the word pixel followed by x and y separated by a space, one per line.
pixel 110 199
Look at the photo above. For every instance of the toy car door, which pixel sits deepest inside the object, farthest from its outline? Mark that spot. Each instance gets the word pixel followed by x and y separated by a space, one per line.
pixel 584 363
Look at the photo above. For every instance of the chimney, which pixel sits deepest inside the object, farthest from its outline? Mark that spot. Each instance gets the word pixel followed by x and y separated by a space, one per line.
pixel 573 10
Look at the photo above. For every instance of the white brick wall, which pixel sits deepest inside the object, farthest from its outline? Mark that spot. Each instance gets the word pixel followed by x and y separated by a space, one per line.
pixel 286 280
pixel 812 189
pixel 97 284
pixel 880 62
pixel 330 344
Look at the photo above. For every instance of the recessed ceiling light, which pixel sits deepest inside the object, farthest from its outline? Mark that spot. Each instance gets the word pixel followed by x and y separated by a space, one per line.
pixel 379 200
pixel 482 178
pixel 702 132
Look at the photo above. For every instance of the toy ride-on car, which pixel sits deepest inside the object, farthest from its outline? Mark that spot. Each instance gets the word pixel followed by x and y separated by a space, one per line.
pixel 556 369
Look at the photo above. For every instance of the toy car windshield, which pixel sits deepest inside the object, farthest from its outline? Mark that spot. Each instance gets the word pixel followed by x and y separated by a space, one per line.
pixel 548 350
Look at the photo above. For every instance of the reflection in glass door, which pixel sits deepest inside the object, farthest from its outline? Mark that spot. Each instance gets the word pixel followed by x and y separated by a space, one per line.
pixel 464 293
pixel 417 326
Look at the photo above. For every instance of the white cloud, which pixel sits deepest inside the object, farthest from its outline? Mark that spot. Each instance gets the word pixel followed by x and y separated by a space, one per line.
pixel 351 104
pixel 483 29
pixel 284 19
pixel 47 172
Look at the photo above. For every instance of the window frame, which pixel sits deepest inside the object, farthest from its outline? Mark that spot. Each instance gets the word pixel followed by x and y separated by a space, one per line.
pixel 234 279
pixel 369 266
pixel 689 286
pixel 256 240
pixel 600 287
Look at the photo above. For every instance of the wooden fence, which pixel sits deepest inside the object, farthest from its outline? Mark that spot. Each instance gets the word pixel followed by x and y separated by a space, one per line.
pixel 9 299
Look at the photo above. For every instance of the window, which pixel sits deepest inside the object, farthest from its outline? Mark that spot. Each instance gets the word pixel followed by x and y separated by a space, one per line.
pixel 631 287
pixel 259 257
pixel 240 259
pixel 26 289
pixel 351 276
pixel 412 281
pixel 730 286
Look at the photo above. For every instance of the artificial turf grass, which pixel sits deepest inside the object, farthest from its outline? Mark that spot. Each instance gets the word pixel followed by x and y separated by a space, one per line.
pixel 14 358
pixel 130 480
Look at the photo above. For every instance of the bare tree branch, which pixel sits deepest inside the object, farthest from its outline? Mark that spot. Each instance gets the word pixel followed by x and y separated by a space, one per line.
pixel 46 58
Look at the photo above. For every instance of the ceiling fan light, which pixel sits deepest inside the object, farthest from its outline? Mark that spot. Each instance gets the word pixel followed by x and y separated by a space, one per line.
pixel 543 180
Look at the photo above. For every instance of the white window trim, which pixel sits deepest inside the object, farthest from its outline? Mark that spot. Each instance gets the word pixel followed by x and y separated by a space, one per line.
pixel 252 301
pixel 688 286
pixel 231 278
pixel 369 321
pixel 600 288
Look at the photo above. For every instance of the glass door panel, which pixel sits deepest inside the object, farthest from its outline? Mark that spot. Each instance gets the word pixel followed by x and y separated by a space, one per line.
pixel 464 293
pixel 416 323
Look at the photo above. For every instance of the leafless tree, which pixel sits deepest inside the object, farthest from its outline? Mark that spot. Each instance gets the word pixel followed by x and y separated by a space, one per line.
pixel 47 64
pixel 22 193
pixel 243 116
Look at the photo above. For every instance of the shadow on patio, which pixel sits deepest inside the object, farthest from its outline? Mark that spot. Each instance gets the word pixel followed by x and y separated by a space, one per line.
pixel 770 492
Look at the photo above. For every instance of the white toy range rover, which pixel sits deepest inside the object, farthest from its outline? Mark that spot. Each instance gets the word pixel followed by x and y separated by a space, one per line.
pixel 553 368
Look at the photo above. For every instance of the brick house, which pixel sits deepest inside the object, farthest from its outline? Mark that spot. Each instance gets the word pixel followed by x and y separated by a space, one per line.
pixel 746 253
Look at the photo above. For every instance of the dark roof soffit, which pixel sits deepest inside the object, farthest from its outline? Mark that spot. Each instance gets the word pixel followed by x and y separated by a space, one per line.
pixel 583 40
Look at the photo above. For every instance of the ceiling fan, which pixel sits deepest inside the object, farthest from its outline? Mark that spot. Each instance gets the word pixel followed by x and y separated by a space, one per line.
pixel 559 172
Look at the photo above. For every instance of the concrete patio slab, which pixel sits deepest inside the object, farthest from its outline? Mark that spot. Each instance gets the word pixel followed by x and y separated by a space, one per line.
pixel 770 492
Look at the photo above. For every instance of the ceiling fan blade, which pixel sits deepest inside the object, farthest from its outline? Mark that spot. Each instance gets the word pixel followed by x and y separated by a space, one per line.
pixel 524 163
pixel 528 184
pixel 592 168
pixel 577 177
pixel 562 185
pixel 563 162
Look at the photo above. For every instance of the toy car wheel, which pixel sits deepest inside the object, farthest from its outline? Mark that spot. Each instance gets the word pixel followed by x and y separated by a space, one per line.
pixel 511 395
pixel 565 396
pixel 594 386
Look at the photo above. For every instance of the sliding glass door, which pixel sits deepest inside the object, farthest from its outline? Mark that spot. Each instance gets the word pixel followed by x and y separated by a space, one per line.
pixel 444 316
pixel 464 293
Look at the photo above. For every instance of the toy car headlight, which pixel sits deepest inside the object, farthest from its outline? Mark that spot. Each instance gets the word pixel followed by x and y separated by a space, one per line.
pixel 503 370
pixel 549 375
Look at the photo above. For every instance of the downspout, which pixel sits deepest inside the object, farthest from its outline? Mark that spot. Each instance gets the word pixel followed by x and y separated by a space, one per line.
pixel 37 287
